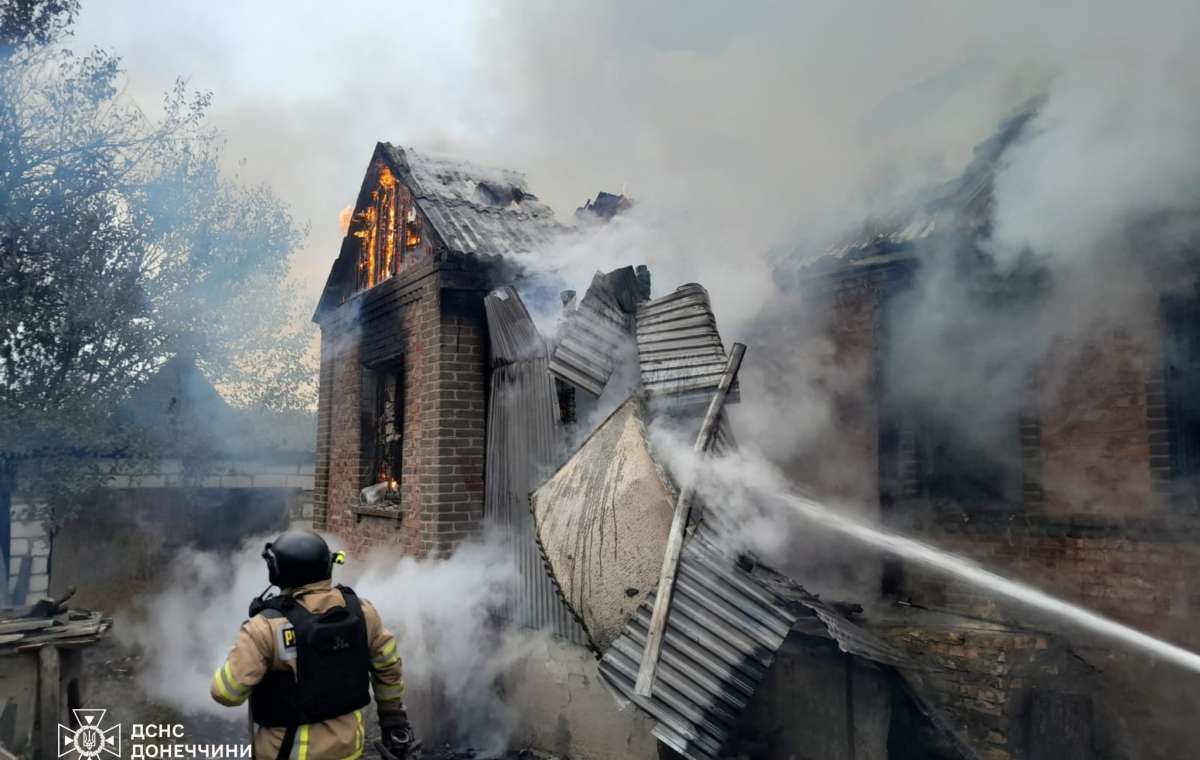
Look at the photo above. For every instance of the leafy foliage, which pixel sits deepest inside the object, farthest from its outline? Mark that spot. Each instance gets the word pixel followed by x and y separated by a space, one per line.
pixel 122 244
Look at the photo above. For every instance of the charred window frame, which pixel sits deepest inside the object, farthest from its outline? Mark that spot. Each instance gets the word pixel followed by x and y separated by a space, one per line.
pixel 1181 359
pixel 383 429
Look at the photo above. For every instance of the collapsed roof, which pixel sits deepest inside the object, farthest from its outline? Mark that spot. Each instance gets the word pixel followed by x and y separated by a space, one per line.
pixel 959 207
pixel 603 208
pixel 602 520
pixel 679 350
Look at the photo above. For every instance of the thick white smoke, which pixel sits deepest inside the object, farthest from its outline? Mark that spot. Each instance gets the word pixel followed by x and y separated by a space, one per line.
pixel 440 610
pixel 755 138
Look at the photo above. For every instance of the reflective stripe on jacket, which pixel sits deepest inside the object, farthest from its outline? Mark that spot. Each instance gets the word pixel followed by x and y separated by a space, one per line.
pixel 260 646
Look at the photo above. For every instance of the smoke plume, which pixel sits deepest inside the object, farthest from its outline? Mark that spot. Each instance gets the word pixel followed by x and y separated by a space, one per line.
pixel 439 609
pixel 755 141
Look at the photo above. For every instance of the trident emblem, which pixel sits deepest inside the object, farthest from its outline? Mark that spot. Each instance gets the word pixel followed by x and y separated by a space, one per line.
pixel 89 740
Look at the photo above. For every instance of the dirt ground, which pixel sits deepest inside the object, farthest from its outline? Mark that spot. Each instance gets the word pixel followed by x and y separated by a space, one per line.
pixel 113 682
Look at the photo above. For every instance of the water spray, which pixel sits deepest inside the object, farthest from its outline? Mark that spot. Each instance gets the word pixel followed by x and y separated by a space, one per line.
pixel 959 567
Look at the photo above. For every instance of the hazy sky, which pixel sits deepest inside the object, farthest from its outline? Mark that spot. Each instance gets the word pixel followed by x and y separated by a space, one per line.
pixel 302 90
pixel 737 128
pixel 670 101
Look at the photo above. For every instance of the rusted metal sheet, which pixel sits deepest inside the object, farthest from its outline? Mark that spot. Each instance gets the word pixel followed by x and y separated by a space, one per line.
pixel 523 445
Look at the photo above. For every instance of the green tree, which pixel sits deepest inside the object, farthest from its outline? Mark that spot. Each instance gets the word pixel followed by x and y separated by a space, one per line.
pixel 121 243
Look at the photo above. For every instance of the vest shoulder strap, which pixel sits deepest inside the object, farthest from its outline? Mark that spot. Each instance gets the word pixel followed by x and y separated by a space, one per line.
pixel 352 601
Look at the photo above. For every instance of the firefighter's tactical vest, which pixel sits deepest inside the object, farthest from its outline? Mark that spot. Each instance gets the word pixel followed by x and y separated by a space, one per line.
pixel 333 664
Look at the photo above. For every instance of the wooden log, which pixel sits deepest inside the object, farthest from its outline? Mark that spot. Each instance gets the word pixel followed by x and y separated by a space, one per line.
pixel 683 510
pixel 29 624
pixel 61 632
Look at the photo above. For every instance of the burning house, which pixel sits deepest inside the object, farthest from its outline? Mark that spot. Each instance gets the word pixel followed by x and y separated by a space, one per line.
pixel 442 409
pixel 404 357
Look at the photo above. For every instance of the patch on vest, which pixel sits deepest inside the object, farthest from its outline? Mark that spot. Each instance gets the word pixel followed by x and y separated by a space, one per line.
pixel 286 643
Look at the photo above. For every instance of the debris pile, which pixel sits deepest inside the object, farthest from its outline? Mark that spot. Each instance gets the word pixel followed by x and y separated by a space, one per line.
pixel 49 622
pixel 602 520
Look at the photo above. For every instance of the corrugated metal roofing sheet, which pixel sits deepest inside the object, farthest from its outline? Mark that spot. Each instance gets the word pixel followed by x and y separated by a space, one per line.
pixel 679 347
pixel 728 619
pixel 523 444
pixel 680 354
pixel 721 637
pixel 467 228
pixel 598 332
pixel 476 209
pixel 453 179
pixel 726 625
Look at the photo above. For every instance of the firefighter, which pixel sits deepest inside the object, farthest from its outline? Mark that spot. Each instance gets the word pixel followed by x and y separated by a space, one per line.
pixel 304 660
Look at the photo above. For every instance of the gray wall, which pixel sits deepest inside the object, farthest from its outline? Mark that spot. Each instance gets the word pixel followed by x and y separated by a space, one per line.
pixel 563 707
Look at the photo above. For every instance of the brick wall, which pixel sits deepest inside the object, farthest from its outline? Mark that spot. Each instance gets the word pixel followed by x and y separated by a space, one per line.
pixel 1094 437
pixel 427 325
pixel 452 460
pixel 982 679
pixel 324 431
pixel 1095 525
pixel 1093 528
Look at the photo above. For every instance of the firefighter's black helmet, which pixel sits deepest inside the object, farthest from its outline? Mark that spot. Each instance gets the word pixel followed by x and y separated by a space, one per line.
pixel 296 558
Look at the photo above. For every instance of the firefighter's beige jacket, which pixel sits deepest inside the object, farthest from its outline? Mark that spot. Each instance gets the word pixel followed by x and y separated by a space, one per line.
pixel 257 650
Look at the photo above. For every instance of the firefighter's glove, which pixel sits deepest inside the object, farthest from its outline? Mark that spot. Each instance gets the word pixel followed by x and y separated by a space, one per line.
pixel 398 743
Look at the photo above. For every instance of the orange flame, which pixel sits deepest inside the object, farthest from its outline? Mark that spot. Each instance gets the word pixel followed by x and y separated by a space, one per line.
pixel 389 218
